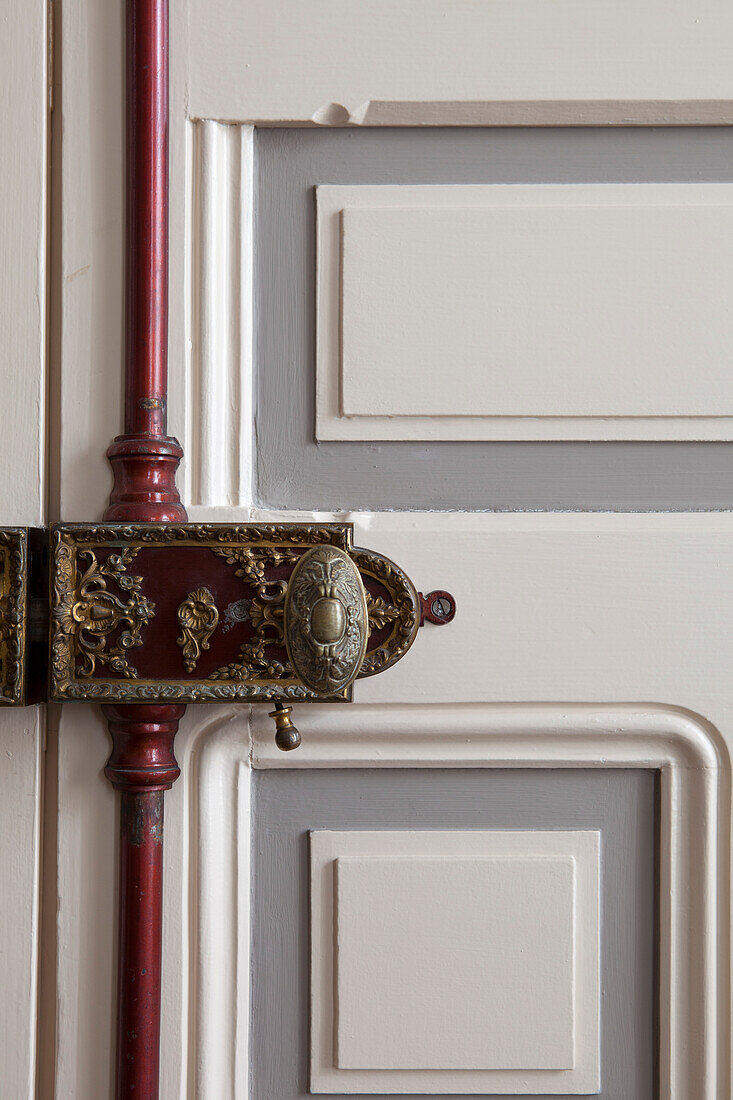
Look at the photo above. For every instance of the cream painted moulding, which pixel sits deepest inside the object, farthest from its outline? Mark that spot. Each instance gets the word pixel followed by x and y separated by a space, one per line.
pixel 208 883
pixel 340 62
pixel 524 311
pixel 694 829
pixel 219 374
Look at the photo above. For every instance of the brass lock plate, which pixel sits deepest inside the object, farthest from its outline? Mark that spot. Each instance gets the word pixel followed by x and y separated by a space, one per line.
pixel 14 614
pixel 196 613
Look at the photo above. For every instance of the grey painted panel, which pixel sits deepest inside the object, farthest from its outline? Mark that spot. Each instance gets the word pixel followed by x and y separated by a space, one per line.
pixel 293 471
pixel 287 804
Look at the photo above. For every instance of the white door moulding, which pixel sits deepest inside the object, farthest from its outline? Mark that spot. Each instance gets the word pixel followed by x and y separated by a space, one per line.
pixel 523 311
pixel 686 750
pixel 694 856
pixel 346 63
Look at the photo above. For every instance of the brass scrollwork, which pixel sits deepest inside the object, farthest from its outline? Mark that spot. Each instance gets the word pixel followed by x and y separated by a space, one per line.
pixel 255 675
pixel 87 614
pixel 405 623
pixel 265 611
pixel 198 618
pixel 380 612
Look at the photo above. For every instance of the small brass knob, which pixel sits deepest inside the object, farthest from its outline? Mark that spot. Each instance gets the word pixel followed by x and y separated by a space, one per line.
pixel 287 736
pixel 326 621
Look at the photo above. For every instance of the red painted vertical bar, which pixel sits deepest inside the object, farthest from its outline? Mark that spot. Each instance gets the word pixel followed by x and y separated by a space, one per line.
pixel 140 938
pixel 142 766
pixel 144 462
pixel 144 459
pixel 146 362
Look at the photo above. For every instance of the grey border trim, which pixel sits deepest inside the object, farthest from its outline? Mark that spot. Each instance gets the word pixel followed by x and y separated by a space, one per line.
pixel 295 472
pixel 288 803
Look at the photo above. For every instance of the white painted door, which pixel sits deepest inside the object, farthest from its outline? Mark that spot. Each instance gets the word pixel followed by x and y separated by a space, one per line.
pixel 397 287
pixel 23 487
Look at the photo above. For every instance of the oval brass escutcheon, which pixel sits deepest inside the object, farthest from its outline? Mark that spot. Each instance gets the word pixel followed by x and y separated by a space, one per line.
pixel 326 620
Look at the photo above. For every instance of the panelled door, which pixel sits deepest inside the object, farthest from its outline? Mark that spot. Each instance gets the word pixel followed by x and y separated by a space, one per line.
pixel 458 274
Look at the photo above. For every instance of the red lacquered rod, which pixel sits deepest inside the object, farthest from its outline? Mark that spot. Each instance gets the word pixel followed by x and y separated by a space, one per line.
pixel 144 459
pixel 144 462
pixel 146 359
pixel 142 767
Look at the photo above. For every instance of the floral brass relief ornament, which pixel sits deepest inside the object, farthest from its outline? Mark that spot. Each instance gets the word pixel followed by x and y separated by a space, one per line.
pixel 88 614
pixel 326 620
pixel 198 618
pixel 264 612
pixel 236 612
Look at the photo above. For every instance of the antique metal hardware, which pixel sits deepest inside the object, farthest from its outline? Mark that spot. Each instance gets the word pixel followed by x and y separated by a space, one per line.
pixel 23 615
pixel 287 737
pixel 14 614
pixel 198 618
pixel 437 607
pixel 326 620
pixel 184 613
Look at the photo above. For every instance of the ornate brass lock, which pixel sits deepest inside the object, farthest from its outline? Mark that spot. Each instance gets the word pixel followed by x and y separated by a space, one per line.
pixel 188 613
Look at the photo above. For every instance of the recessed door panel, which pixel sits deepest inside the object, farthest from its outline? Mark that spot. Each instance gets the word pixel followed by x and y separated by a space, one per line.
pixel 428 905
pixel 453 354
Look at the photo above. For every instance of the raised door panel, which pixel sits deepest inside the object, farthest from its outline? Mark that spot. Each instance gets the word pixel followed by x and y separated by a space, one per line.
pixel 595 311
pixel 428 311
pixel 455 960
